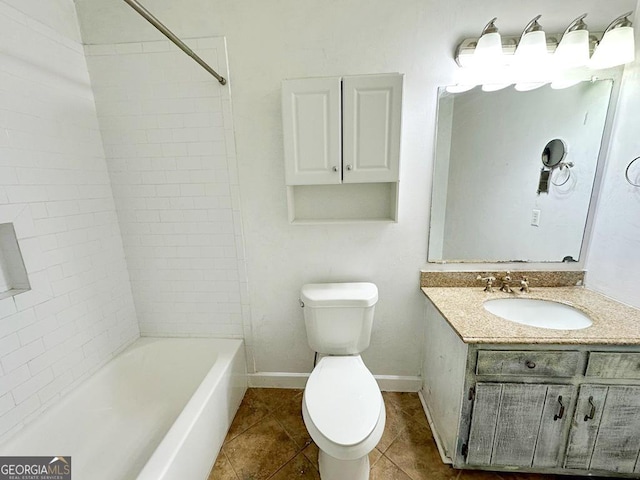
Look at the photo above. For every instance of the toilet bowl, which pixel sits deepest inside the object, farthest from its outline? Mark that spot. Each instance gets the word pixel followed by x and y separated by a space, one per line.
pixel 342 406
pixel 344 413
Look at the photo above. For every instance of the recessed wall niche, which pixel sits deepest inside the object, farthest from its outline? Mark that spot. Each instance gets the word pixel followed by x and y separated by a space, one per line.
pixel 13 274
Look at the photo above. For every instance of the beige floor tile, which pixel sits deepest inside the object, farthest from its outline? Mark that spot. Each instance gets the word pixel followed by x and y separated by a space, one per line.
pixel 222 469
pixel 482 475
pixel 268 440
pixel 384 469
pixel 415 452
pixel 273 398
pixel 289 414
pixel 251 411
pixel 397 421
pixel 374 456
pixel 408 402
pixel 260 451
pixel 311 453
pixel 539 476
pixel 298 468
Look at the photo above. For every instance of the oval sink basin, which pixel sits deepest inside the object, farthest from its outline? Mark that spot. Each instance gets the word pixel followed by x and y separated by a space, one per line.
pixel 538 313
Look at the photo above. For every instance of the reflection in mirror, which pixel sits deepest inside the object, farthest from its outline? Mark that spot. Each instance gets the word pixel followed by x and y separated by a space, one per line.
pixel 485 205
pixel 553 153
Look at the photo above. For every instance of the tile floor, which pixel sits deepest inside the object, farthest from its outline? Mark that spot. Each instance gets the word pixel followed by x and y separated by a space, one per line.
pixel 268 440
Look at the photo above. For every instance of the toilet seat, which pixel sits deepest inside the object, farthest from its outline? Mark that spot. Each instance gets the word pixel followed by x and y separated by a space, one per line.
pixel 343 406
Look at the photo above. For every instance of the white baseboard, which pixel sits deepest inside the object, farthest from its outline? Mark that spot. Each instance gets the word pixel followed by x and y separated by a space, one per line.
pixel 387 383
pixel 277 380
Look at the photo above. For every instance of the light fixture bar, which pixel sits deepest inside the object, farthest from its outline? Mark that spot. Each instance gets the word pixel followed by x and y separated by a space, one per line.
pixel 616 37
pixel 467 47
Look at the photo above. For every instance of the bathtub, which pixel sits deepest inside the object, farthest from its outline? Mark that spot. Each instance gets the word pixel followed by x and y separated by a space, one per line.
pixel 158 411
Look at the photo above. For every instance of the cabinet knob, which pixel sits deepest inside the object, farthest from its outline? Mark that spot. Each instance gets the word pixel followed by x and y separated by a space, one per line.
pixel 530 364
pixel 349 167
pixel 335 169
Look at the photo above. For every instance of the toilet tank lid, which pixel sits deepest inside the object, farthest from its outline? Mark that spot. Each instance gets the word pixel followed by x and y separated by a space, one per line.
pixel 357 294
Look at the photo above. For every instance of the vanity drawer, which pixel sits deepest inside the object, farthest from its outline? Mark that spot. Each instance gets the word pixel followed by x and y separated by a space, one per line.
pixel 614 365
pixel 526 362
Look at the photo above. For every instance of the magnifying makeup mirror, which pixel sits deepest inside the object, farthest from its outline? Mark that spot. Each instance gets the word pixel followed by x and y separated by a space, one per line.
pixel 554 152
pixel 553 155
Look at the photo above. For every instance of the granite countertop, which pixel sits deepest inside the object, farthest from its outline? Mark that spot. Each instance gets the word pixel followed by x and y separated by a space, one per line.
pixel 613 322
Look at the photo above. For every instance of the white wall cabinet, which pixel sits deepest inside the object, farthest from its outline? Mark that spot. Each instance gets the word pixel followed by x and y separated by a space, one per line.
pixel 340 131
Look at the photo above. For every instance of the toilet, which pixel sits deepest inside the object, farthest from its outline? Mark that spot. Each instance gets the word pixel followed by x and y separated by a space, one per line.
pixel 342 406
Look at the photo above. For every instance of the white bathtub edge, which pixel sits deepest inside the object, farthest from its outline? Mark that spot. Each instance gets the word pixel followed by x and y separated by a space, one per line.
pixel 191 446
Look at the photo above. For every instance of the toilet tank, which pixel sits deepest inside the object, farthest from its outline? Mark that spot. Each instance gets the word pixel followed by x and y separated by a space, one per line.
pixel 339 316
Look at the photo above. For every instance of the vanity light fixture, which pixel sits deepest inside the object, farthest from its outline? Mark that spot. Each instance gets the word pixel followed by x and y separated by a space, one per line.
pixel 617 45
pixel 532 47
pixel 488 50
pixel 573 49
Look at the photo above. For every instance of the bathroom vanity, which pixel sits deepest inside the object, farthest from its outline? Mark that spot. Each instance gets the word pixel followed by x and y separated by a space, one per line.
pixel 505 396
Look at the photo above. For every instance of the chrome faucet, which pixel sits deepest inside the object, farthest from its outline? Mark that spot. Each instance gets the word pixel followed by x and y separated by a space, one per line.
pixel 489 285
pixel 505 287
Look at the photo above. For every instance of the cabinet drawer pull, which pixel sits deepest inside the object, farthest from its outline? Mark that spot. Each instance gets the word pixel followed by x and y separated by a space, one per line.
pixel 560 414
pixel 530 364
pixel 592 411
pixel 335 169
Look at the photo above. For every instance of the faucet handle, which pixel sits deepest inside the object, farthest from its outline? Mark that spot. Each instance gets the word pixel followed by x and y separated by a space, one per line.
pixel 524 284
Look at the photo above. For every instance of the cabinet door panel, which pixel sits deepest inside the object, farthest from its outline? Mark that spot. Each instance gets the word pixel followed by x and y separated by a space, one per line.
pixel 312 130
pixel 550 443
pixel 583 434
pixel 518 424
pixel 483 423
pixel 618 441
pixel 372 109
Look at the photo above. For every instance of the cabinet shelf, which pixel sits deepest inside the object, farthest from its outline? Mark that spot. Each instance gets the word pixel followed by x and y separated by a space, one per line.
pixel 346 203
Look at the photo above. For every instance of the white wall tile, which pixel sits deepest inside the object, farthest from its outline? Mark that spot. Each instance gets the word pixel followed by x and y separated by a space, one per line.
pixel 52 169
pixel 172 187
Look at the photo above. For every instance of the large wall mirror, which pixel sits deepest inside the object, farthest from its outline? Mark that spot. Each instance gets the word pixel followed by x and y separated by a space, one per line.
pixel 497 196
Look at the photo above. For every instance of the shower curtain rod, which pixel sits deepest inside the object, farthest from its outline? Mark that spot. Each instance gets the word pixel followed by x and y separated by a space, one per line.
pixel 169 34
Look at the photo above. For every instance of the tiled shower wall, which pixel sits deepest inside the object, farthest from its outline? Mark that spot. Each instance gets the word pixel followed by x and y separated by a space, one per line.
pixel 54 189
pixel 168 136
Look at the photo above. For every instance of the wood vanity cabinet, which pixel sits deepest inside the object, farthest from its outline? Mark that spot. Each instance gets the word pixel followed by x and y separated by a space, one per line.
pixel 537 408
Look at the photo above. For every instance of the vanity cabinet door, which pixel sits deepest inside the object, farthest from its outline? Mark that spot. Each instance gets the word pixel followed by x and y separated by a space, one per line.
pixel 520 425
pixel 606 430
